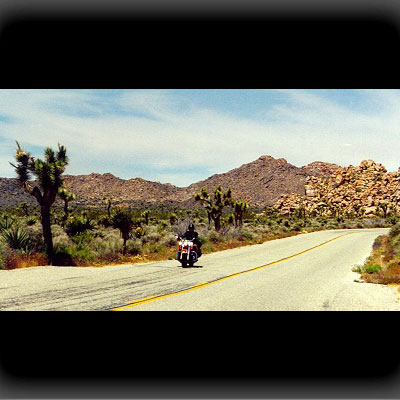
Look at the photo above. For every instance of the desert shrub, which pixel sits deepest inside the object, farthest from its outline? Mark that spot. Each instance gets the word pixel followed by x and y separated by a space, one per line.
pixel 371 268
pixel 31 221
pixel 62 257
pixel 6 222
pixel 173 219
pixel 246 236
pixel 156 248
pixel 15 237
pixel 84 238
pixel 215 237
pixel 105 221
pixel 377 243
pixel 81 253
pixel 394 231
pixel 17 259
pixel 78 225
pixel 161 227
pixel 392 220
pixel 4 251
pixel 134 247
pixel 151 238
pixel 357 268
pixel 169 240
pixel 139 232
pixel 35 233
pixel 108 248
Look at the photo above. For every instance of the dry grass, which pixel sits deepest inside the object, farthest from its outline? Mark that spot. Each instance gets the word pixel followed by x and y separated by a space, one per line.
pixel 383 265
pixel 16 260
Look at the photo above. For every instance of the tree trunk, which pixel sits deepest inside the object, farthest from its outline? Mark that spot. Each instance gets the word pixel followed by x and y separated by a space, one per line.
pixel 124 250
pixel 217 223
pixel 65 210
pixel 48 238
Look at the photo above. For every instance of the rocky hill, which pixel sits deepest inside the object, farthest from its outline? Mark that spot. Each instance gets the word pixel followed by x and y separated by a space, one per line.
pixel 260 183
pixel 91 189
pixel 365 190
pixel 319 168
pixel 12 195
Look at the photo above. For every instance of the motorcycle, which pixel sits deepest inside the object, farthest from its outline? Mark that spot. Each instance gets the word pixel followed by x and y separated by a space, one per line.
pixel 187 254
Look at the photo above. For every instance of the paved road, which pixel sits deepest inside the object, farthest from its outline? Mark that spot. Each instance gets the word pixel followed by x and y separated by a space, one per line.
pixel 305 272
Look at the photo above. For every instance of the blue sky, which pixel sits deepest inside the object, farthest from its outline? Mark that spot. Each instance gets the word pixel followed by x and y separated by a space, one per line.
pixel 181 136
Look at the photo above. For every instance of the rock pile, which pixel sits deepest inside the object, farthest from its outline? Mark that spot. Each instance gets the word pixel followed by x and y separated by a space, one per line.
pixel 367 190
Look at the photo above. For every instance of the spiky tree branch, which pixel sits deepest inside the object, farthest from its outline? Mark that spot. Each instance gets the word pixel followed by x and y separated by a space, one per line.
pixel 48 174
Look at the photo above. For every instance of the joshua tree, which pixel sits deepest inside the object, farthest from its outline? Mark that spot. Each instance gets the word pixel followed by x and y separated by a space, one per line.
pixel 49 178
pixel 384 205
pixel 239 208
pixel 357 208
pixel 173 219
pixel 123 221
pixel 66 197
pixel 215 207
pixel 108 201
pixel 145 215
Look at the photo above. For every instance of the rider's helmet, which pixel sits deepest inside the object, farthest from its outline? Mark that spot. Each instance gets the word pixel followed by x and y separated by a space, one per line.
pixel 191 226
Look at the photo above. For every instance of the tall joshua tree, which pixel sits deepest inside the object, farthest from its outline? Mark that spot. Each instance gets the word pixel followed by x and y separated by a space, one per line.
pixel 108 201
pixel 66 197
pixel 123 221
pixel 48 174
pixel 239 208
pixel 146 215
pixel 215 207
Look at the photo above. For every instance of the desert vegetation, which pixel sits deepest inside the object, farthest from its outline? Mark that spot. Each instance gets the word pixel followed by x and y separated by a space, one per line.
pixel 65 233
pixel 89 237
pixel 383 265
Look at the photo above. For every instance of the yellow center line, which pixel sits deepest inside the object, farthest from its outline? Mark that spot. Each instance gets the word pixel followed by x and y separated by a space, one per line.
pixel 200 285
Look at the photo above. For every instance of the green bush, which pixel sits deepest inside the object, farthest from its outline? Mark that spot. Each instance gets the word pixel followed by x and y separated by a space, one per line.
pixel 371 268
pixel 31 221
pixel 78 225
pixel 169 241
pixel 215 237
pixel 395 231
pixel 133 247
pixel 16 238
pixel 81 253
pixel 151 238
pixel 6 222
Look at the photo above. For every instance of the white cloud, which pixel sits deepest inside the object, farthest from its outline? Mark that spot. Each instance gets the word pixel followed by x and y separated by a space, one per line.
pixel 162 132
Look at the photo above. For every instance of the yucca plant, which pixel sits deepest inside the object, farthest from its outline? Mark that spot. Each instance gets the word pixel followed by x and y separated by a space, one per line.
pixel 15 237
pixel 31 221
pixel 78 225
pixel 66 197
pixel 48 173
pixel 6 222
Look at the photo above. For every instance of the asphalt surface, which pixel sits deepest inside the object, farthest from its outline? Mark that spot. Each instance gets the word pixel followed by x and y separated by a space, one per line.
pixel 305 272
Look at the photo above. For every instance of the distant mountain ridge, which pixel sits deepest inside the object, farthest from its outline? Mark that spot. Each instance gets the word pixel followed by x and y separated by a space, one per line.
pixel 261 183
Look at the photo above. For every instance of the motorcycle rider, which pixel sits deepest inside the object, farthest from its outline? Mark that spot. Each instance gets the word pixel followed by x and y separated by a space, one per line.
pixel 192 235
